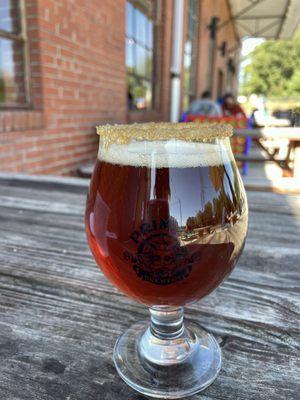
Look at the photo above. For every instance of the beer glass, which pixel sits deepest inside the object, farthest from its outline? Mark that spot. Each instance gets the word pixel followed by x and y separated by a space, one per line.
pixel 166 221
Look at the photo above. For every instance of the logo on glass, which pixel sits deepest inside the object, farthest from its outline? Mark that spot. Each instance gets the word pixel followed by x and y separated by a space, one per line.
pixel 159 257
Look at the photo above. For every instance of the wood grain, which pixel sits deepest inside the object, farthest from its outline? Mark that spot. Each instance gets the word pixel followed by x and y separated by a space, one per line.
pixel 60 317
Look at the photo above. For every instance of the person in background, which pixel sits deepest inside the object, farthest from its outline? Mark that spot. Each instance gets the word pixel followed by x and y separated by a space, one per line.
pixel 206 94
pixel 231 108
pixel 203 107
pixel 252 120
pixel 261 117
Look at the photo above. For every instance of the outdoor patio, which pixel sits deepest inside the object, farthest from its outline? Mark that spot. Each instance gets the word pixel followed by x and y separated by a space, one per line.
pixel 61 317
pixel 167 214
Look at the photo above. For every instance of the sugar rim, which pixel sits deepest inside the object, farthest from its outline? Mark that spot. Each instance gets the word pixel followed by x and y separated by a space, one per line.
pixel 152 131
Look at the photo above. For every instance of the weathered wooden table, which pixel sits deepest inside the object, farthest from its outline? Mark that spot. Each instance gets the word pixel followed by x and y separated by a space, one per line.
pixel 60 317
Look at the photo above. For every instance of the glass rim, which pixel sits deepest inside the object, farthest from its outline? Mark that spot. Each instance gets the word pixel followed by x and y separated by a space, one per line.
pixel 157 131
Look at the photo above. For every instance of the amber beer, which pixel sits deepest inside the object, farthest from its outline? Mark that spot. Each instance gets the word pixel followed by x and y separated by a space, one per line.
pixel 166 230
pixel 166 221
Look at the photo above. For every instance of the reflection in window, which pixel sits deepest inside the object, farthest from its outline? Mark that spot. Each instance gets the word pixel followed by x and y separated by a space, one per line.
pixel 140 54
pixel 190 53
pixel 12 80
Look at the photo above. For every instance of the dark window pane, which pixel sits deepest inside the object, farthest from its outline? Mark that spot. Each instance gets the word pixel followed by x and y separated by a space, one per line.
pixel 12 87
pixel 190 52
pixel 130 91
pixel 130 56
pixel 149 41
pixel 148 94
pixel 187 78
pixel 192 83
pixel 9 16
pixel 193 4
pixel 141 56
pixel 192 27
pixel 129 19
pixel 187 61
pixel 140 27
pixel 185 101
pixel 188 47
pixel 149 64
pixel 139 94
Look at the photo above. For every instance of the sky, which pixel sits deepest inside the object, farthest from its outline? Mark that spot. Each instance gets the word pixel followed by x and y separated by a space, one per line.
pixel 248 46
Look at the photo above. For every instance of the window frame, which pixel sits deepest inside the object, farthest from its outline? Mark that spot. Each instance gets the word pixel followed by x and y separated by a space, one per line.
pixel 155 53
pixel 191 90
pixel 21 38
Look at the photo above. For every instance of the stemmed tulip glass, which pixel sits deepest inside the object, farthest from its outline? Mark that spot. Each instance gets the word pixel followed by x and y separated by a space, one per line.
pixel 166 221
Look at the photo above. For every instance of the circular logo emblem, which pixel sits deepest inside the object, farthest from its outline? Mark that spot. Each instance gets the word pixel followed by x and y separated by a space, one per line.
pixel 161 260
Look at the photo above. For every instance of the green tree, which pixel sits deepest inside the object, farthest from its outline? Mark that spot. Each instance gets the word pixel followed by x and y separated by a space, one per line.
pixel 274 69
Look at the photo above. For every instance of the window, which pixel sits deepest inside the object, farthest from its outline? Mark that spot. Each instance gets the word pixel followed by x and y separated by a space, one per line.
pixel 12 63
pixel 190 53
pixel 220 85
pixel 140 53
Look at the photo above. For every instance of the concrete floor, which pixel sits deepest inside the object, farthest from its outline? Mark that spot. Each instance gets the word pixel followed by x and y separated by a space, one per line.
pixel 267 170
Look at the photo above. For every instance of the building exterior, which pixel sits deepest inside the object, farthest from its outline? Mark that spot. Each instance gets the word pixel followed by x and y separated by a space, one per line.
pixel 66 66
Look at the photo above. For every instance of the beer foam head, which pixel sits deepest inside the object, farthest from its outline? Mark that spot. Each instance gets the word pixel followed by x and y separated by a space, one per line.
pixel 167 154
pixel 152 131
pixel 165 144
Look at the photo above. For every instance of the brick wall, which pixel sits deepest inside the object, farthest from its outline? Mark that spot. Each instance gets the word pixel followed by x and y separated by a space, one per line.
pixel 78 80
pixel 220 9
pixel 227 34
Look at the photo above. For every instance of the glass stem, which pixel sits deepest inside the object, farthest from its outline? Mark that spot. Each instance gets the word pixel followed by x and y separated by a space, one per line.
pixel 166 341
pixel 166 322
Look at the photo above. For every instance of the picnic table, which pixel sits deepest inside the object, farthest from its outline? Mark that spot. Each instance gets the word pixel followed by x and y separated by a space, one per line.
pixel 60 317
pixel 292 134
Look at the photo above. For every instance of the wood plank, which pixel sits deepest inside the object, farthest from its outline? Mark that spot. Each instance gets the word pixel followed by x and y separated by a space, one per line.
pixel 60 317
pixel 71 322
pixel 249 158
pixel 47 182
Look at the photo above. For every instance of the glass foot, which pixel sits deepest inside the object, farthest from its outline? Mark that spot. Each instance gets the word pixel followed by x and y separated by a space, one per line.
pixel 170 368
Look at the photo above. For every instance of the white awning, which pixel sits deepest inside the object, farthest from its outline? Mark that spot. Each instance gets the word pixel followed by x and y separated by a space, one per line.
pixel 271 19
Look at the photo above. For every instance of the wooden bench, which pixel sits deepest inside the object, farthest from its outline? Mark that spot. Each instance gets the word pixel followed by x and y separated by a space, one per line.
pixel 292 161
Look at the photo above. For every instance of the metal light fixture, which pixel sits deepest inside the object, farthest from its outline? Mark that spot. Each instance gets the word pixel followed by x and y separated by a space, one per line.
pixel 213 26
pixel 223 48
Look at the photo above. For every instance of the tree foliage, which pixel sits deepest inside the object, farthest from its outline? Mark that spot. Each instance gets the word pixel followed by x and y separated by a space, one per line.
pixel 274 69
